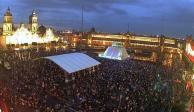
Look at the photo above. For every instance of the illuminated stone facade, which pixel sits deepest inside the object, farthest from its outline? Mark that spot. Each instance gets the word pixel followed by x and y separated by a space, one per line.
pixel 33 22
pixel 7 23
pixel 139 43
pixel 23 35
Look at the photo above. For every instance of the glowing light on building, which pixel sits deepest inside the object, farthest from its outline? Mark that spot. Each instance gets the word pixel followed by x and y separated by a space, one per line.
pixel 49 36
pixel 189 50
pixel 89 41
pixel 74 39
pixel 23 35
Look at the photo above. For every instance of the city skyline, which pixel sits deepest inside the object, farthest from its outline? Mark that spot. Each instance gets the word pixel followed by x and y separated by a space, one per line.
pixel 171 18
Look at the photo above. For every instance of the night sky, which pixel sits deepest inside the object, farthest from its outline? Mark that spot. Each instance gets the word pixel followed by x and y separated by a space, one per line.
pixel 169 17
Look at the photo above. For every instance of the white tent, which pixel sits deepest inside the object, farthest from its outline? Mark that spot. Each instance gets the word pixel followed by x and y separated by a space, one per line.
pixel 117 52
pixel 73 62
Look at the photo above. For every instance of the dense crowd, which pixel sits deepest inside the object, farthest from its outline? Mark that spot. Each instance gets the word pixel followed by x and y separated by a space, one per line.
pixel 115 86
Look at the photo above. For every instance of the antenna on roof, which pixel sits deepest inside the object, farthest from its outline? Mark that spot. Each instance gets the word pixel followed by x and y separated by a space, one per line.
pixel 128 28
pixel 82 27
pixel 82 19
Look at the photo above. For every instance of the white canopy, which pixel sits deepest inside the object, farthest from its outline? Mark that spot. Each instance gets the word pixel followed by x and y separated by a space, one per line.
pixel 73 62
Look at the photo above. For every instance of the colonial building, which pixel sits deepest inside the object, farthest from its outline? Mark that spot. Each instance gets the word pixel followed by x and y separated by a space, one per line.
pixel 12 36
pixel 7 29
pixel 140 45
pixel 7 23
pixel 33 22
pixel 189 53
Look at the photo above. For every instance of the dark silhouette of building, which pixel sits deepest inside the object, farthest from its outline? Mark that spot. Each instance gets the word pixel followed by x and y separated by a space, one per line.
pixel 41 30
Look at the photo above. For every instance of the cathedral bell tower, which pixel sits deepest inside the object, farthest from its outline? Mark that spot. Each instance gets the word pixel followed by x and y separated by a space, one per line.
pixel 33 22
pixel 7 23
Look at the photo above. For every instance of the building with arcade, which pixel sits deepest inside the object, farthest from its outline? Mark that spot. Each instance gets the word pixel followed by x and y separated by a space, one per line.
pixel 142 47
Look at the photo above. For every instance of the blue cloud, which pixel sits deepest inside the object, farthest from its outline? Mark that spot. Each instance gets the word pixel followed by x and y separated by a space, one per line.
pixel 170 17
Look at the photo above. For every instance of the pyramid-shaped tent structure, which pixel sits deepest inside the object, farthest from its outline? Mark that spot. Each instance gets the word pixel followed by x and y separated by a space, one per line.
pixel 116 51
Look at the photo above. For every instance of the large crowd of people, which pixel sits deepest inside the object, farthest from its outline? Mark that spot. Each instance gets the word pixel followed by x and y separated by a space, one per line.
pixel 39 85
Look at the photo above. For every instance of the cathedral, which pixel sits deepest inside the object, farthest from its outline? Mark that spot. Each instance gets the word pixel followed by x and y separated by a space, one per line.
pixel 8 23
pixel 13 35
